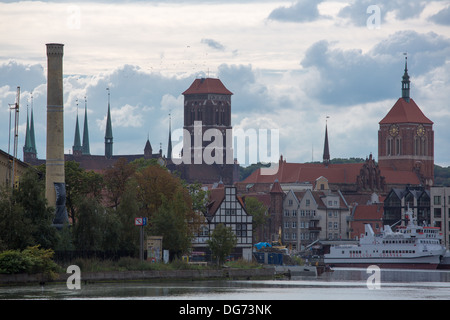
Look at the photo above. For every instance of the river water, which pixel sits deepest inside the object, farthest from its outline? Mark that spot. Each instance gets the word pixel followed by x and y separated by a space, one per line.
pixel 342 284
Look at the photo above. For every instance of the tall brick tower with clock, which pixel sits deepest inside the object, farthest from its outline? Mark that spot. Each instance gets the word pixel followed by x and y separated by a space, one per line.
pixel 406 137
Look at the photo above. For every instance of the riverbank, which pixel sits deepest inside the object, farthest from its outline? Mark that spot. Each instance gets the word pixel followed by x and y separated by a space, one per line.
pixel 158 275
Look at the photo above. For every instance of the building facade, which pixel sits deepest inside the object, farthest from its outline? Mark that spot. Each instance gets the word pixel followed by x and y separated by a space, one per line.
pixel 311 215
pixel 440 211
pixel 225 207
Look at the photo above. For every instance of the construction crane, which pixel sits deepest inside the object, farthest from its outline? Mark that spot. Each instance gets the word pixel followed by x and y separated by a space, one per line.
pixel 14 107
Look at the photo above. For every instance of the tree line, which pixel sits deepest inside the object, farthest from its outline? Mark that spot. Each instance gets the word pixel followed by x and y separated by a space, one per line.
pixel 102 209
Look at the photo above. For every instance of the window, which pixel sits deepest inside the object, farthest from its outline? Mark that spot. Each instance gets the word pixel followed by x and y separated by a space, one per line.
pixel 389 147
pixel 307 201
pixel 437 212
pixel 335 225
pixel 290 202
pixel 241 229
pixel 294 213
pixel 286 213
pixel 437 200
pixel 398 146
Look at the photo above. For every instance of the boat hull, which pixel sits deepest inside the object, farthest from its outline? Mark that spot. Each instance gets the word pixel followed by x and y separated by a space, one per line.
pixel 425 262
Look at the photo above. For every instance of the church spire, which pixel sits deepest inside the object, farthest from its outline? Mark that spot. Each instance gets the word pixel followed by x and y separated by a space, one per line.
pixel 29 149
pixel 27 145
pixel 405 82
pixel 169 145
pixel 326 148
pixel 108 133
pixel 32 136
pixel 77 148
pixel 85 148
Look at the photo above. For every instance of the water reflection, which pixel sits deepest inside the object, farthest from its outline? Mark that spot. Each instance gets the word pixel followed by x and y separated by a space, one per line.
pixel 338 285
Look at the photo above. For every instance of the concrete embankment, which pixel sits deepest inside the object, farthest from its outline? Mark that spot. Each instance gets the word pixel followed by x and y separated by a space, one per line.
pixel 202 274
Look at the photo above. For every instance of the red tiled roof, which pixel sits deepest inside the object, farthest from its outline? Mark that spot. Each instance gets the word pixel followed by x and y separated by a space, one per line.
pixel 302 172
pixel 276 187
pixel 208 85
pixel 399 177
pixel 405 112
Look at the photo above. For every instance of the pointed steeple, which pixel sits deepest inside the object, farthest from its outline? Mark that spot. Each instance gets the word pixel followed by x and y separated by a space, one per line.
pixel 108 133
pixel 77 148
pixel 326 148
pixel 29 149
pixel 169 145
pixel 27 146
pixel 85 148
pixel 406 84
pixel 32 136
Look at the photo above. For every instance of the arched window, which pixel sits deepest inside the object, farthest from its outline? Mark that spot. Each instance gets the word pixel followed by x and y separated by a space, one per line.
pixel 398 146
pixel 389 146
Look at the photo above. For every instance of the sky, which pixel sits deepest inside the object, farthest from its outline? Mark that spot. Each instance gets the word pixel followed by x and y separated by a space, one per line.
pixel 293 66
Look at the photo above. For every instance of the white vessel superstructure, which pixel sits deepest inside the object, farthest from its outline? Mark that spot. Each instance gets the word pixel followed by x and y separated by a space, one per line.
pixel 411 246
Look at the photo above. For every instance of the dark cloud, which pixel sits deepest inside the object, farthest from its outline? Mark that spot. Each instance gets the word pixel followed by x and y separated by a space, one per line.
pixel 442 17
pixel 27 77
pixel 213 44
pixel 248 94
pixel 301 11
pixel 347 77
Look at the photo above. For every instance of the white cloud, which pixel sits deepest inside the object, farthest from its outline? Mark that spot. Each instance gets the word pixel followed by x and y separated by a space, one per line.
pixel 285 74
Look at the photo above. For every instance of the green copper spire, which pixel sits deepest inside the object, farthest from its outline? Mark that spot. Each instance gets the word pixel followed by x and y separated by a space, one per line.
pixel 32 136
pixel 27 146
pixel 108 133
pixel 169 145
pixel 85 148
pixel 405 82
pixel 77 148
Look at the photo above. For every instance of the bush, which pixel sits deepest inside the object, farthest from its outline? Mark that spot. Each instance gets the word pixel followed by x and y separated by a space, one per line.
pixel 30 260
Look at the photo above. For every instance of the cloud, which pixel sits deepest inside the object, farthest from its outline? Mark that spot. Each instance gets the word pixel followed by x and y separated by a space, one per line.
pixel 347 77
pixel 301 11
pixel 26 76
pixel 442 17
pixel 402 10
pixel 213 44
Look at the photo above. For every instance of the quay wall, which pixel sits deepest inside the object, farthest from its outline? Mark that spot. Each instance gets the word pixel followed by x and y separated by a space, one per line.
pixel 229 273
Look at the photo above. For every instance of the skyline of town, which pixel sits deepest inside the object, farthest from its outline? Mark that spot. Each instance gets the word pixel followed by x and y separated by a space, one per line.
pixel 287 74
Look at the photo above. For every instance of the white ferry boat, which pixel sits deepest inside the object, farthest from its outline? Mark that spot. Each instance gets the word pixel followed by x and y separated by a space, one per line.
pixel 410 247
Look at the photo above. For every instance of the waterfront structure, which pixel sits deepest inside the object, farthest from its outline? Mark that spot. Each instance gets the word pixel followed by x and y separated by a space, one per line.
pixel 311 215
pixel 411 246
pixel 397 201
pixel 440 211
pixel 226 207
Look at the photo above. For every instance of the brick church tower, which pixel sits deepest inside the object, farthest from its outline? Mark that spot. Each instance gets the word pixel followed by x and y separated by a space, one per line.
pixel 207 120
pixel 406 137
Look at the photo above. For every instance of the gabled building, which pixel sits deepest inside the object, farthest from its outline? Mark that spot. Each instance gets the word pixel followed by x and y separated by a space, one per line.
pixel 226 207
pixel 312 215
pixel 399 200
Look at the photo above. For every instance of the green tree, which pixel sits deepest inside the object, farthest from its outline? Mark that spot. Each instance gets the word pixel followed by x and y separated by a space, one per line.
pixel 116 179
pixel 127 211
pixel 87 230
pixel 258 211
pixel 222 242
pixel 171 222
pixel 15 227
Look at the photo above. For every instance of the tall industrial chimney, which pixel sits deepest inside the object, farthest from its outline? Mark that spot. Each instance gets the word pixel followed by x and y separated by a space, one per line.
pixel 55 190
